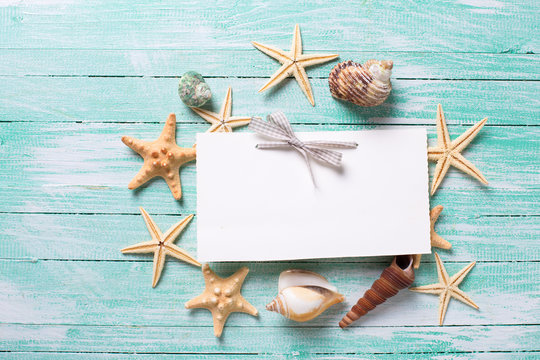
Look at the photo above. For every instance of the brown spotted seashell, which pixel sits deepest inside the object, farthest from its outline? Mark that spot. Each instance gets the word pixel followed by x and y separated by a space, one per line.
pixel 364 85
pixel 399 275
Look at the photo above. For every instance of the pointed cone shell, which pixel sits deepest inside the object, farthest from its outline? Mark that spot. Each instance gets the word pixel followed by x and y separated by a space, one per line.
pixel 364 85
pixel 303 295
pixel 399 275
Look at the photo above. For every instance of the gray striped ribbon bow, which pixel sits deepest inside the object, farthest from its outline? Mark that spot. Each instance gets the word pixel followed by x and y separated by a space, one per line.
pixel 279 128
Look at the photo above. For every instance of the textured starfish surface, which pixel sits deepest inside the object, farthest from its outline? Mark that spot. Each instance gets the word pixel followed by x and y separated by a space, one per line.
pixel 223 122
pixel 162 157
pixel 222 297
pixel 436 239
pixel 448 152
pixel 447 288
pixel 161 245
pixel 293 63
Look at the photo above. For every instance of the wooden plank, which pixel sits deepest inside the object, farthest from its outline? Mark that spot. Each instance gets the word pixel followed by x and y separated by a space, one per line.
pixel 463 26
pixel 294 355
pixel 359 341
pixel 84 168
pixel 134 100
pixel 99 237
pixel 111 293
pixel 232 63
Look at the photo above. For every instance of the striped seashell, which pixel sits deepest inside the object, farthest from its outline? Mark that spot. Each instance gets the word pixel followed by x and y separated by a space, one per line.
pixel 364 85
pixel 399 275
pixel 303 295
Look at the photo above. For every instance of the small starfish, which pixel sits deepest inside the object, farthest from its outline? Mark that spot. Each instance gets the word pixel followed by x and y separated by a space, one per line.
pixel 223 122
pixel 294 63
pixel 448 153
pixel 447 287
pixel 436 239
pixel 161 245
pixel 162 157
pixel 222 297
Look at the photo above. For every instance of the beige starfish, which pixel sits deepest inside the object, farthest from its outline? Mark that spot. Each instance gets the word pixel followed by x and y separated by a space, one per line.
pixel 222 297
pixel 447 287
pixel 223 122
pixel 161 245
pixel 436 239
pixel 448 152
pixel 162 157
pixel 294 63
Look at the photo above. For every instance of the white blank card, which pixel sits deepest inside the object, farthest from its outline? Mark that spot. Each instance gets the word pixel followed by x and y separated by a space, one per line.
pixel 260 205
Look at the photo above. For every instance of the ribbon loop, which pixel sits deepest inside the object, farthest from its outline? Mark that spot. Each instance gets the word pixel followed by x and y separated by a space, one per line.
pixel 279 128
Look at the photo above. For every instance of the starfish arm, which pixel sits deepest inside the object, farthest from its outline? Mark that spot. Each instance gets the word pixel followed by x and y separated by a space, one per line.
pixel 169 130
pixel 435 153
pixel 219 322
pixel 239 276
pixel 173 181
pixel 142 176
pixel 209 116
pixel 176 229
pixel 209 275
pixel 159 261
pixel 303 81
pixel 140 248
pixel 435 213
pixel 439 242
pixel 464 139
pixel 197 302
pixel 440 171
pixel 444 299
pixel 296 46
pixel 225 111
pixel 435 289
pixel 467 167
pixel 457 278
pixel 458 294
pixel 181 254
pixel 283 72
pixel 246 307
pixel 236 121
pixel 307 60
pixel 443 137
pixel 139 146
pixel 215 128
pixel 153 229
pixel 441 271
pixel 273 52
pixel 182 156
pixel 416 260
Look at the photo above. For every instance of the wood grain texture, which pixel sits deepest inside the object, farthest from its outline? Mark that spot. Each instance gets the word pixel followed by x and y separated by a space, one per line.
pixel 76 76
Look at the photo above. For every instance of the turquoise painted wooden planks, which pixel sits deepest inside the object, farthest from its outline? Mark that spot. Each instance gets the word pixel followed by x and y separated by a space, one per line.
pixel 100 237
pixel 250 63
pixel 126 100
pixel 464 26
pixel 109 293
pixel 269 342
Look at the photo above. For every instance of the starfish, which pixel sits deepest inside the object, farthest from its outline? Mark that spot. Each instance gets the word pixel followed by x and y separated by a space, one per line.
pixel 161 245
pixel 448 153
pixel 222 297
pixel 436 239
pixel 223 122
pixel 294 63
pixel 162 157
pixel 447 287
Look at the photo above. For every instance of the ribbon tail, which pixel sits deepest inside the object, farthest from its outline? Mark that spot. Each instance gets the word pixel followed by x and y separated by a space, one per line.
pixel 331 157
pixel 306 159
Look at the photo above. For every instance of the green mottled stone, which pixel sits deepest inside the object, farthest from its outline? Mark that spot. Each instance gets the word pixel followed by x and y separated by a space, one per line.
pixel 193 90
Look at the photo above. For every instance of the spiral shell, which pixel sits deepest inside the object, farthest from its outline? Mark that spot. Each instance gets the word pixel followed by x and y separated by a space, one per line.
pixel 364 85
pixel 303 295
pixel 399 275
